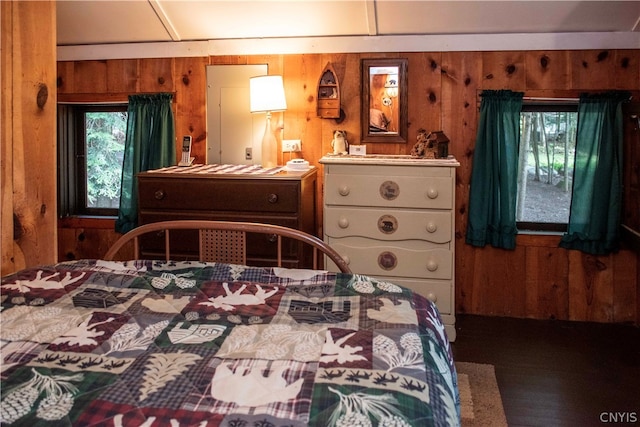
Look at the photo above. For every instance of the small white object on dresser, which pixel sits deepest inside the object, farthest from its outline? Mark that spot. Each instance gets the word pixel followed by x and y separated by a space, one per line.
pixel 392 217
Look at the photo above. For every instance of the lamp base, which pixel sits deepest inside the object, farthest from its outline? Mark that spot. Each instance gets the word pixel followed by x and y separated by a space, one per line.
pixel 269 146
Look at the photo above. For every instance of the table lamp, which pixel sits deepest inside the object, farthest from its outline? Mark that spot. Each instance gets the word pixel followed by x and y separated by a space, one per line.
pixel 267 95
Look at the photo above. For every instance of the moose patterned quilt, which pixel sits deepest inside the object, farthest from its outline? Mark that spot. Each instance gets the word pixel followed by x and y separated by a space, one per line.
pixel 154 343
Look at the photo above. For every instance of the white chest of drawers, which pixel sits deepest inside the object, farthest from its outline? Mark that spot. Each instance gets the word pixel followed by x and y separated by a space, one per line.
pixel 392 217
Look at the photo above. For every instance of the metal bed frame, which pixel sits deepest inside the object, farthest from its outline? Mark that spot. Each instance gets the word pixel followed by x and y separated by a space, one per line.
pixel 225 241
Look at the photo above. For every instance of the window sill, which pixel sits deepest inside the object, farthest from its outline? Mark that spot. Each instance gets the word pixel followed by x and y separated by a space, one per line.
pixel 546 239
pixel 540 232
pixel 97 222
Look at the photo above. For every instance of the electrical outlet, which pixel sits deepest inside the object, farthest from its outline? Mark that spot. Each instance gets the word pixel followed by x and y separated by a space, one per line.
pixel 291 145
pixel 248 153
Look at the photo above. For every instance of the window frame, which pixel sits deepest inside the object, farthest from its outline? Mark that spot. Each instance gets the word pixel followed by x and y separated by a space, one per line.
pixel 546 105
pixel 72 177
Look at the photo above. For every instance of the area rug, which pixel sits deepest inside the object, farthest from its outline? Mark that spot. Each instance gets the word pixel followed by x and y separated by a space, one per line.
pixel 481 404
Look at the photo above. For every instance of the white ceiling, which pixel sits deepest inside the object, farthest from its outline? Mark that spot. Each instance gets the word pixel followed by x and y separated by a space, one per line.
pixel 82 22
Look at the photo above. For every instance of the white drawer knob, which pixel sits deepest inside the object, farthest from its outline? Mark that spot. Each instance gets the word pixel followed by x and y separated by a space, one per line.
pixel 432 297
pixel 344 190
pixel 432 193
pixel 432 266
pixel 431 227
pixel 343 222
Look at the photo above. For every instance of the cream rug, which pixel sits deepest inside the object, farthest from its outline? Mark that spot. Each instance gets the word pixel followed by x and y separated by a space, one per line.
pixel 481 404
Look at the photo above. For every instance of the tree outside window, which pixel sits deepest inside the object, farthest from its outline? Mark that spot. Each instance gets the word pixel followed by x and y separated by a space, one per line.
pixel 546 162
pixel 91 140
pixel 105 138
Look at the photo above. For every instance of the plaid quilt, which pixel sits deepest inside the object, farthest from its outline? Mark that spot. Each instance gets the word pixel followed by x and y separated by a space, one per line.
pixel 150 343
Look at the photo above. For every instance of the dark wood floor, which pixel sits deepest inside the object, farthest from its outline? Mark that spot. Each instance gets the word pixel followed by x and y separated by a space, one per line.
pixel 557 373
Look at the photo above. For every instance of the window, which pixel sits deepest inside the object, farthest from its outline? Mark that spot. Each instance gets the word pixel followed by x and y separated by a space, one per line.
pixel 91 149
pixel 545 170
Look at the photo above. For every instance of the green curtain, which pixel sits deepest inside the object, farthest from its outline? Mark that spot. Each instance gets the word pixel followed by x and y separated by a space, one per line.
pixel 493 193
pixel 594 217
pixel 149 144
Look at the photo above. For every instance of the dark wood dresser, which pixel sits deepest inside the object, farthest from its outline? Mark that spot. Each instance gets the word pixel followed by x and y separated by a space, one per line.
pixel 231 193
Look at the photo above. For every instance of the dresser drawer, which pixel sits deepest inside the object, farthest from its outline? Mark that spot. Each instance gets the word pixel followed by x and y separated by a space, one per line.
pixel 221 194
pixel 388 224
pixel 379 258
pixel 438 291
pixel 397 191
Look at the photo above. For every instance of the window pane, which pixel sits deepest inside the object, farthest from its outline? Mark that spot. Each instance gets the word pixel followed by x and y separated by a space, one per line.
pixel 547 151
pixel 104 139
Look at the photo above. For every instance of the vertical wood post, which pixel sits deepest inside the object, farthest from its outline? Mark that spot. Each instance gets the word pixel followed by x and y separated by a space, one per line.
pixel 28 156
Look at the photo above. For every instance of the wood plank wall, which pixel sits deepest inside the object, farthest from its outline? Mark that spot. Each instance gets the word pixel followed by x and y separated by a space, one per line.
pixel 537 279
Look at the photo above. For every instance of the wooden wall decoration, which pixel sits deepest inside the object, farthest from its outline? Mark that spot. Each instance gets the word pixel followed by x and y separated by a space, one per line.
pixel 538 279
pixel 328 95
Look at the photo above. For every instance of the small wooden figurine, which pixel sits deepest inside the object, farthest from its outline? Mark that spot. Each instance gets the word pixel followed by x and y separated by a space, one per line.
pixel 420 147
pixel 432 145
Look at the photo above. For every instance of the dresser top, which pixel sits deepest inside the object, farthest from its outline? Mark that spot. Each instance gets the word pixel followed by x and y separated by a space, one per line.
pixel 229 171
pixel 388 159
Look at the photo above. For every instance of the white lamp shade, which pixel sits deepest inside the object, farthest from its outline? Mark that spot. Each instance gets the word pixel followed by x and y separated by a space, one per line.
pixel 267 94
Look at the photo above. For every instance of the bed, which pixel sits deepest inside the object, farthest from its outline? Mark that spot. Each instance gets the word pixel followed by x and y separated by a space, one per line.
pixel 202 343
